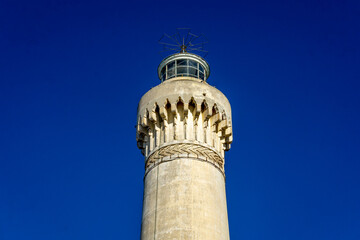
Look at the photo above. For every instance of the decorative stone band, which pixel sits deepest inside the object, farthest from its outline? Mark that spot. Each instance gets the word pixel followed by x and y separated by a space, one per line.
pixel 181 120
pixel 184 150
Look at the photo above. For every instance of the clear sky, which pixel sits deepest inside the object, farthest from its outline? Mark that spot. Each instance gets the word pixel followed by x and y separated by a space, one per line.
pixel 72 73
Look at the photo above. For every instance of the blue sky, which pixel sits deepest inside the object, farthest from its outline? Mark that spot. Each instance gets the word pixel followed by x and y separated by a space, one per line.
pixel 72 73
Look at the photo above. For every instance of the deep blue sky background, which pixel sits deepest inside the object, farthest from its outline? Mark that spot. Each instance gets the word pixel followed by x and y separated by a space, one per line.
pixel 72 73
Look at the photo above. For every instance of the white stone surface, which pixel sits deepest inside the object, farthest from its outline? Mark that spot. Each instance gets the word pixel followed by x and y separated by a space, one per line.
pixel 184 199
pixel 184 128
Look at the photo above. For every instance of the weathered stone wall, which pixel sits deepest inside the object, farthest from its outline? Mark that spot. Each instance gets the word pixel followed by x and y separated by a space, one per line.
pixel 184 199
pixel 184 127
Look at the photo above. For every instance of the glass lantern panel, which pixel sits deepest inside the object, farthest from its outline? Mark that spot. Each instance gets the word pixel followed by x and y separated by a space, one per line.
pixel 171 64
pixel 193 72
pixel 192 63
pixel 201 68
pixel 182 62
pixel 171 69
pixel 201 75
pixel 182 71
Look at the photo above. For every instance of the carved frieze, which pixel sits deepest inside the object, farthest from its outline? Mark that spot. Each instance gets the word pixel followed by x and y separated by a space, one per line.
pixel 187 150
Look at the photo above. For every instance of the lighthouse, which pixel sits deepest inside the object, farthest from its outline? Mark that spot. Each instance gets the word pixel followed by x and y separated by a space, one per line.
pixel 183 130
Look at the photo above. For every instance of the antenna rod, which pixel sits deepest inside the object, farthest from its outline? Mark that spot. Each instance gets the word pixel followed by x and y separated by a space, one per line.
pixel 190 42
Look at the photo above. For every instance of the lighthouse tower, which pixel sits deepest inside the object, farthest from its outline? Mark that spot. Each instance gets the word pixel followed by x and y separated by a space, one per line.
pixel 183 129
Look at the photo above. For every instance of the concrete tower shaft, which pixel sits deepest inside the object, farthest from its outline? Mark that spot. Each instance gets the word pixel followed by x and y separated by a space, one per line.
pixel 183 129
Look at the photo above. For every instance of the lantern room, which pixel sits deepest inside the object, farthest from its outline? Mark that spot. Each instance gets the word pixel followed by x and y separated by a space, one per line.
pixel 184 65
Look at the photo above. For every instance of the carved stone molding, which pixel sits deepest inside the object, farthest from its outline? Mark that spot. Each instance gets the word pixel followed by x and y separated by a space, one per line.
pixel 186 150
pixel 181 120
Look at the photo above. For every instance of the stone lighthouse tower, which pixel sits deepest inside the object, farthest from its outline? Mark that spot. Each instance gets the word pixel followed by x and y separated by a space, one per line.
pixel 183 129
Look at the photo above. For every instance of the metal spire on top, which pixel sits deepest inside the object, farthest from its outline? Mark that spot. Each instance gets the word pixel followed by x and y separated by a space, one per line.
pixel 183 41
